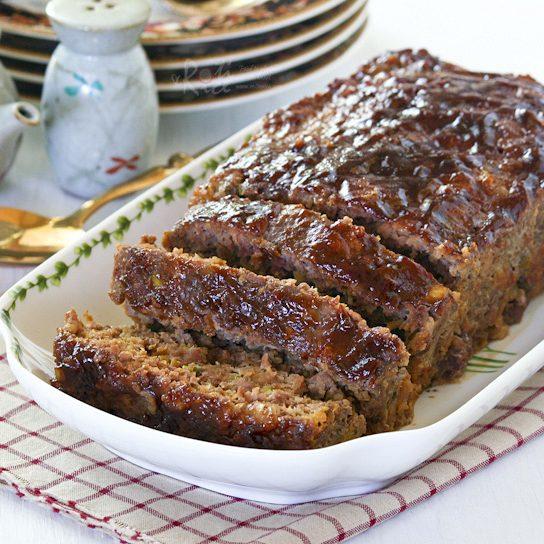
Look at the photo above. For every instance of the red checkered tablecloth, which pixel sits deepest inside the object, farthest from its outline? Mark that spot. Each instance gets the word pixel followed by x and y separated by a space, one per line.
pixel 45 461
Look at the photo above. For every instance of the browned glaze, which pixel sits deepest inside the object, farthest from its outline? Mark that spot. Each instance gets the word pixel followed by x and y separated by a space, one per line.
pixel 154 398
pixel 335 256
pixel 205 295
pixel 426 153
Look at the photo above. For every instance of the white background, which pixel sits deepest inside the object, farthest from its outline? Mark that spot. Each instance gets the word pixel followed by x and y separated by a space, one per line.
pixel 502 504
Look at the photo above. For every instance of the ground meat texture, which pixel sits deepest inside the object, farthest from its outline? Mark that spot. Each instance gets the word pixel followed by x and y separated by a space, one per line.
pixel 290 241
pixel 446 165
pixel 153 379
pixel 181 291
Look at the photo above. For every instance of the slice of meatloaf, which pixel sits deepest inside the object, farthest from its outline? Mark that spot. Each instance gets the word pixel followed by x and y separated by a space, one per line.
pixel 336 257
pixel 224 395
pixel 317 334
pixel 446 165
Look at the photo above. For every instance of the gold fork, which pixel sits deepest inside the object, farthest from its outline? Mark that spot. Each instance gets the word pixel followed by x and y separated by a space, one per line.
pixel 30 238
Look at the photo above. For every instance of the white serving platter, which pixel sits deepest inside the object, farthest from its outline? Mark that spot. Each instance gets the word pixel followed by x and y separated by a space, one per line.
pixel 78 277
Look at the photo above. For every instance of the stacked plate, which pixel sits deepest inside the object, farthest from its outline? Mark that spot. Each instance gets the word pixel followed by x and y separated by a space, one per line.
pixel 205 62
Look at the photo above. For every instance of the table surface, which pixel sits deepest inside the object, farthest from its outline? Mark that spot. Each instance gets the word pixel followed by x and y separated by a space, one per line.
pixel 503 503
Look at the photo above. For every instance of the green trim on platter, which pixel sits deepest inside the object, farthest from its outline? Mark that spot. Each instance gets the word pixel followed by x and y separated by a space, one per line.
pixel 17 350
pixel 489 360
pixel 106 238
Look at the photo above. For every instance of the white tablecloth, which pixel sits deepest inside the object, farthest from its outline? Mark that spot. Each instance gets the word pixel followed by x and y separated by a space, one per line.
pixel 505 502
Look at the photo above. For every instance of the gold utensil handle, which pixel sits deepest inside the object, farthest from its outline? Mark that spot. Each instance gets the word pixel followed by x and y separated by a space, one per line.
pixel 139 183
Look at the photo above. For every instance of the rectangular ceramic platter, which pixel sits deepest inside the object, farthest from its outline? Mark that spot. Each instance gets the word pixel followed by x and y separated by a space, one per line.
pixel 79 276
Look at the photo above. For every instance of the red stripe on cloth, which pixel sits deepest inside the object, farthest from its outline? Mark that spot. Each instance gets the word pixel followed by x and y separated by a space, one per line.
pixel 538 413
pixel 483 447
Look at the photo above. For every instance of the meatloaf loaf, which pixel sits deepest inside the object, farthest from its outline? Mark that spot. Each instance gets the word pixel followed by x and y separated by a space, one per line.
pixel 317 335
pixel 446 165
pixel 335 257
pixel 191 387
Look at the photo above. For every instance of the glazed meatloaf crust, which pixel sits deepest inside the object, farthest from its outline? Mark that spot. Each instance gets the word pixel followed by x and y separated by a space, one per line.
pixel 446 165
pixel 317 335
pixel 173 384
pixel 337 258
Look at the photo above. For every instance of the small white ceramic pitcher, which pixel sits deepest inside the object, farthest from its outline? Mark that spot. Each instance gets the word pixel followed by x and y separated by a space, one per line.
pixel 14 117
pixel 99 100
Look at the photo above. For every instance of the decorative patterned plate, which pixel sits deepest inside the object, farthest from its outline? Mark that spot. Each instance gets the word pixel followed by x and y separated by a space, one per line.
pixel 165 27
pixel 79 276
pixel 194 78
pixel 35 50
pixel 193 100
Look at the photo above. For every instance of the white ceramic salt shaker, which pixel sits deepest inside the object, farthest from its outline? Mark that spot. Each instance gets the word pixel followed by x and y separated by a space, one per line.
pixel 99 99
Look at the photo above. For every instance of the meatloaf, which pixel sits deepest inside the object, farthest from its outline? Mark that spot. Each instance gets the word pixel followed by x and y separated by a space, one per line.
pixel 446 165
pixel 317 335
pixel 193 388
pixel 335 257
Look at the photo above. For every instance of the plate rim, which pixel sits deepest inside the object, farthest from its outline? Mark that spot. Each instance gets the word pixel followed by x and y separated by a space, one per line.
pixel 251 96
pixel 278 45
pixel 307 54
pixel 312 9
pixel 174 108
pixel 37 57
